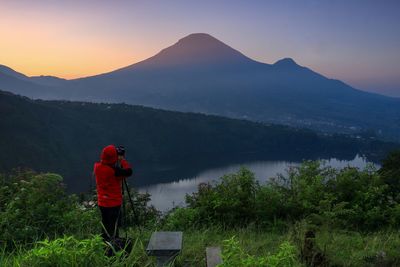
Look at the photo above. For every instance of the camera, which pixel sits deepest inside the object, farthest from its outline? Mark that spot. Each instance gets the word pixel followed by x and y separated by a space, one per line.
pixel 120 150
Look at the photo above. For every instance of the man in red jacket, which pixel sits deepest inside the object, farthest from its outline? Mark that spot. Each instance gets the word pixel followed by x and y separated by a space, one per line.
pixel 109 177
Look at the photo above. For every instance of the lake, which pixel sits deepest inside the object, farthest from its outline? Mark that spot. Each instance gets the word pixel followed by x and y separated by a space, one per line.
pixel 166 195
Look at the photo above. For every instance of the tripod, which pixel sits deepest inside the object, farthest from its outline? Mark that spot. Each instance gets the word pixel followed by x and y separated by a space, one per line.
pixel 125 187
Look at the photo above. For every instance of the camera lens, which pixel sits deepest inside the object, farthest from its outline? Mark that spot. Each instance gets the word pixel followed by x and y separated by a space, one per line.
pixel 120 150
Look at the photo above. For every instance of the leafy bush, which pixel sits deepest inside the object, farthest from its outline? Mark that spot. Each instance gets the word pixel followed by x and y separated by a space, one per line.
pixel 181 218
pixel 271 207
pixel 305 188
pixel 350 198
pixel 231 202
pixel 34 206
pixel 390 173
pixel 81 220
pixel 359 199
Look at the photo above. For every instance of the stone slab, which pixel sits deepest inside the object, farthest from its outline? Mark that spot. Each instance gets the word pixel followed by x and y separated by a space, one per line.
pixel 165 243
pixel 213 256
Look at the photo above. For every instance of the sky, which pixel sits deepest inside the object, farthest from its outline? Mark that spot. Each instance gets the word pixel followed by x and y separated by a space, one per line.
pixel 356 41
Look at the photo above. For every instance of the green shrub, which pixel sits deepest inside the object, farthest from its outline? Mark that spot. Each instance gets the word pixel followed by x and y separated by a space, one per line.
pixel 349 198
pixel 302 191
pixel 231 202
pixel 182 218
pixel 359 199
pixel 271 206
pixel 390 173
pixel 80 220
pixel 34 206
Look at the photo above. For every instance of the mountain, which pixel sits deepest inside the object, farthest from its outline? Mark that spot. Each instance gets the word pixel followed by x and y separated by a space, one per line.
pixel 10 72
pixel 67 137
pixel 195 49
pixel 35 87
pixel 202 74
pixel 24 86
pixel 49 80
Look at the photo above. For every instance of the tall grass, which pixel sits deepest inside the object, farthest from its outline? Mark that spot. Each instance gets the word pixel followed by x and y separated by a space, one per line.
pixel 346 248
pixel 342 248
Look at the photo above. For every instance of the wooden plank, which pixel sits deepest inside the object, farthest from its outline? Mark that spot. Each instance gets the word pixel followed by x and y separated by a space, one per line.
pixel 213 255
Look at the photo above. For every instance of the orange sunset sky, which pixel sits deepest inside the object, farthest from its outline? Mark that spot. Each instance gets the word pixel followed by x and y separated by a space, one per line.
pixel 354 41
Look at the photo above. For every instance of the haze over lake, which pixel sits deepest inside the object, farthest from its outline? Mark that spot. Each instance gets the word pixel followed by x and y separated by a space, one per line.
pixel 165 196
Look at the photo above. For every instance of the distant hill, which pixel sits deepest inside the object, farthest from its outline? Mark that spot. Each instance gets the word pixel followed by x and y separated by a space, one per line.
pixel 201 74
pixel 48 80
pixel 35 87
pixel 67 137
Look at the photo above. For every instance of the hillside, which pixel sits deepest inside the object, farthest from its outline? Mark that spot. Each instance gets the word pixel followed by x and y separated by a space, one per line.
pixel 67 137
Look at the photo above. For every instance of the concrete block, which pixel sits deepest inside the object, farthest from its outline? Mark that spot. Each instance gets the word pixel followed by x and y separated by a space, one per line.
pixel 164 246
pixel 213 256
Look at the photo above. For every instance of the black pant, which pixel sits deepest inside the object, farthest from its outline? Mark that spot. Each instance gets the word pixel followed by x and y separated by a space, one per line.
pixel 111 219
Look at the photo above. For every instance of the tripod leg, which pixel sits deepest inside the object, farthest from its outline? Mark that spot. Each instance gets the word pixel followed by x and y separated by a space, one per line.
pixel 123 217
pixel 136 219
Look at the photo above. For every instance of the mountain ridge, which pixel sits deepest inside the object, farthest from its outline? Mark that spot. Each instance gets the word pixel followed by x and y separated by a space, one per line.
pixel 11 72
pixel 199 73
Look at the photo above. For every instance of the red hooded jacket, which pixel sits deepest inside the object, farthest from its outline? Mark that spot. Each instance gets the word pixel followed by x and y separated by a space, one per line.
pixel 108 185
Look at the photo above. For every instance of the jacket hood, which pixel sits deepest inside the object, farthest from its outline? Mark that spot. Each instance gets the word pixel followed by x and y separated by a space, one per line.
pixel 109 155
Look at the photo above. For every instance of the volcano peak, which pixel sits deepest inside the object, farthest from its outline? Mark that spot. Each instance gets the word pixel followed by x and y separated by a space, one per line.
pixel 198 48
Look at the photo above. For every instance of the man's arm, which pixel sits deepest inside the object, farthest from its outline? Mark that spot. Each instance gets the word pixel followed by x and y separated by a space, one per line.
pixel 124 170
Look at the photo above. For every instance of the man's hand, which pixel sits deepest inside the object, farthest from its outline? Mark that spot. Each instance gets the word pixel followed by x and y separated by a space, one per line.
pixel 121 172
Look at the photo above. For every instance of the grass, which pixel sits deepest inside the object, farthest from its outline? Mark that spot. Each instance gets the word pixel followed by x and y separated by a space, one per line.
pixel 342 248
pixel 345 248
pixel 254 241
